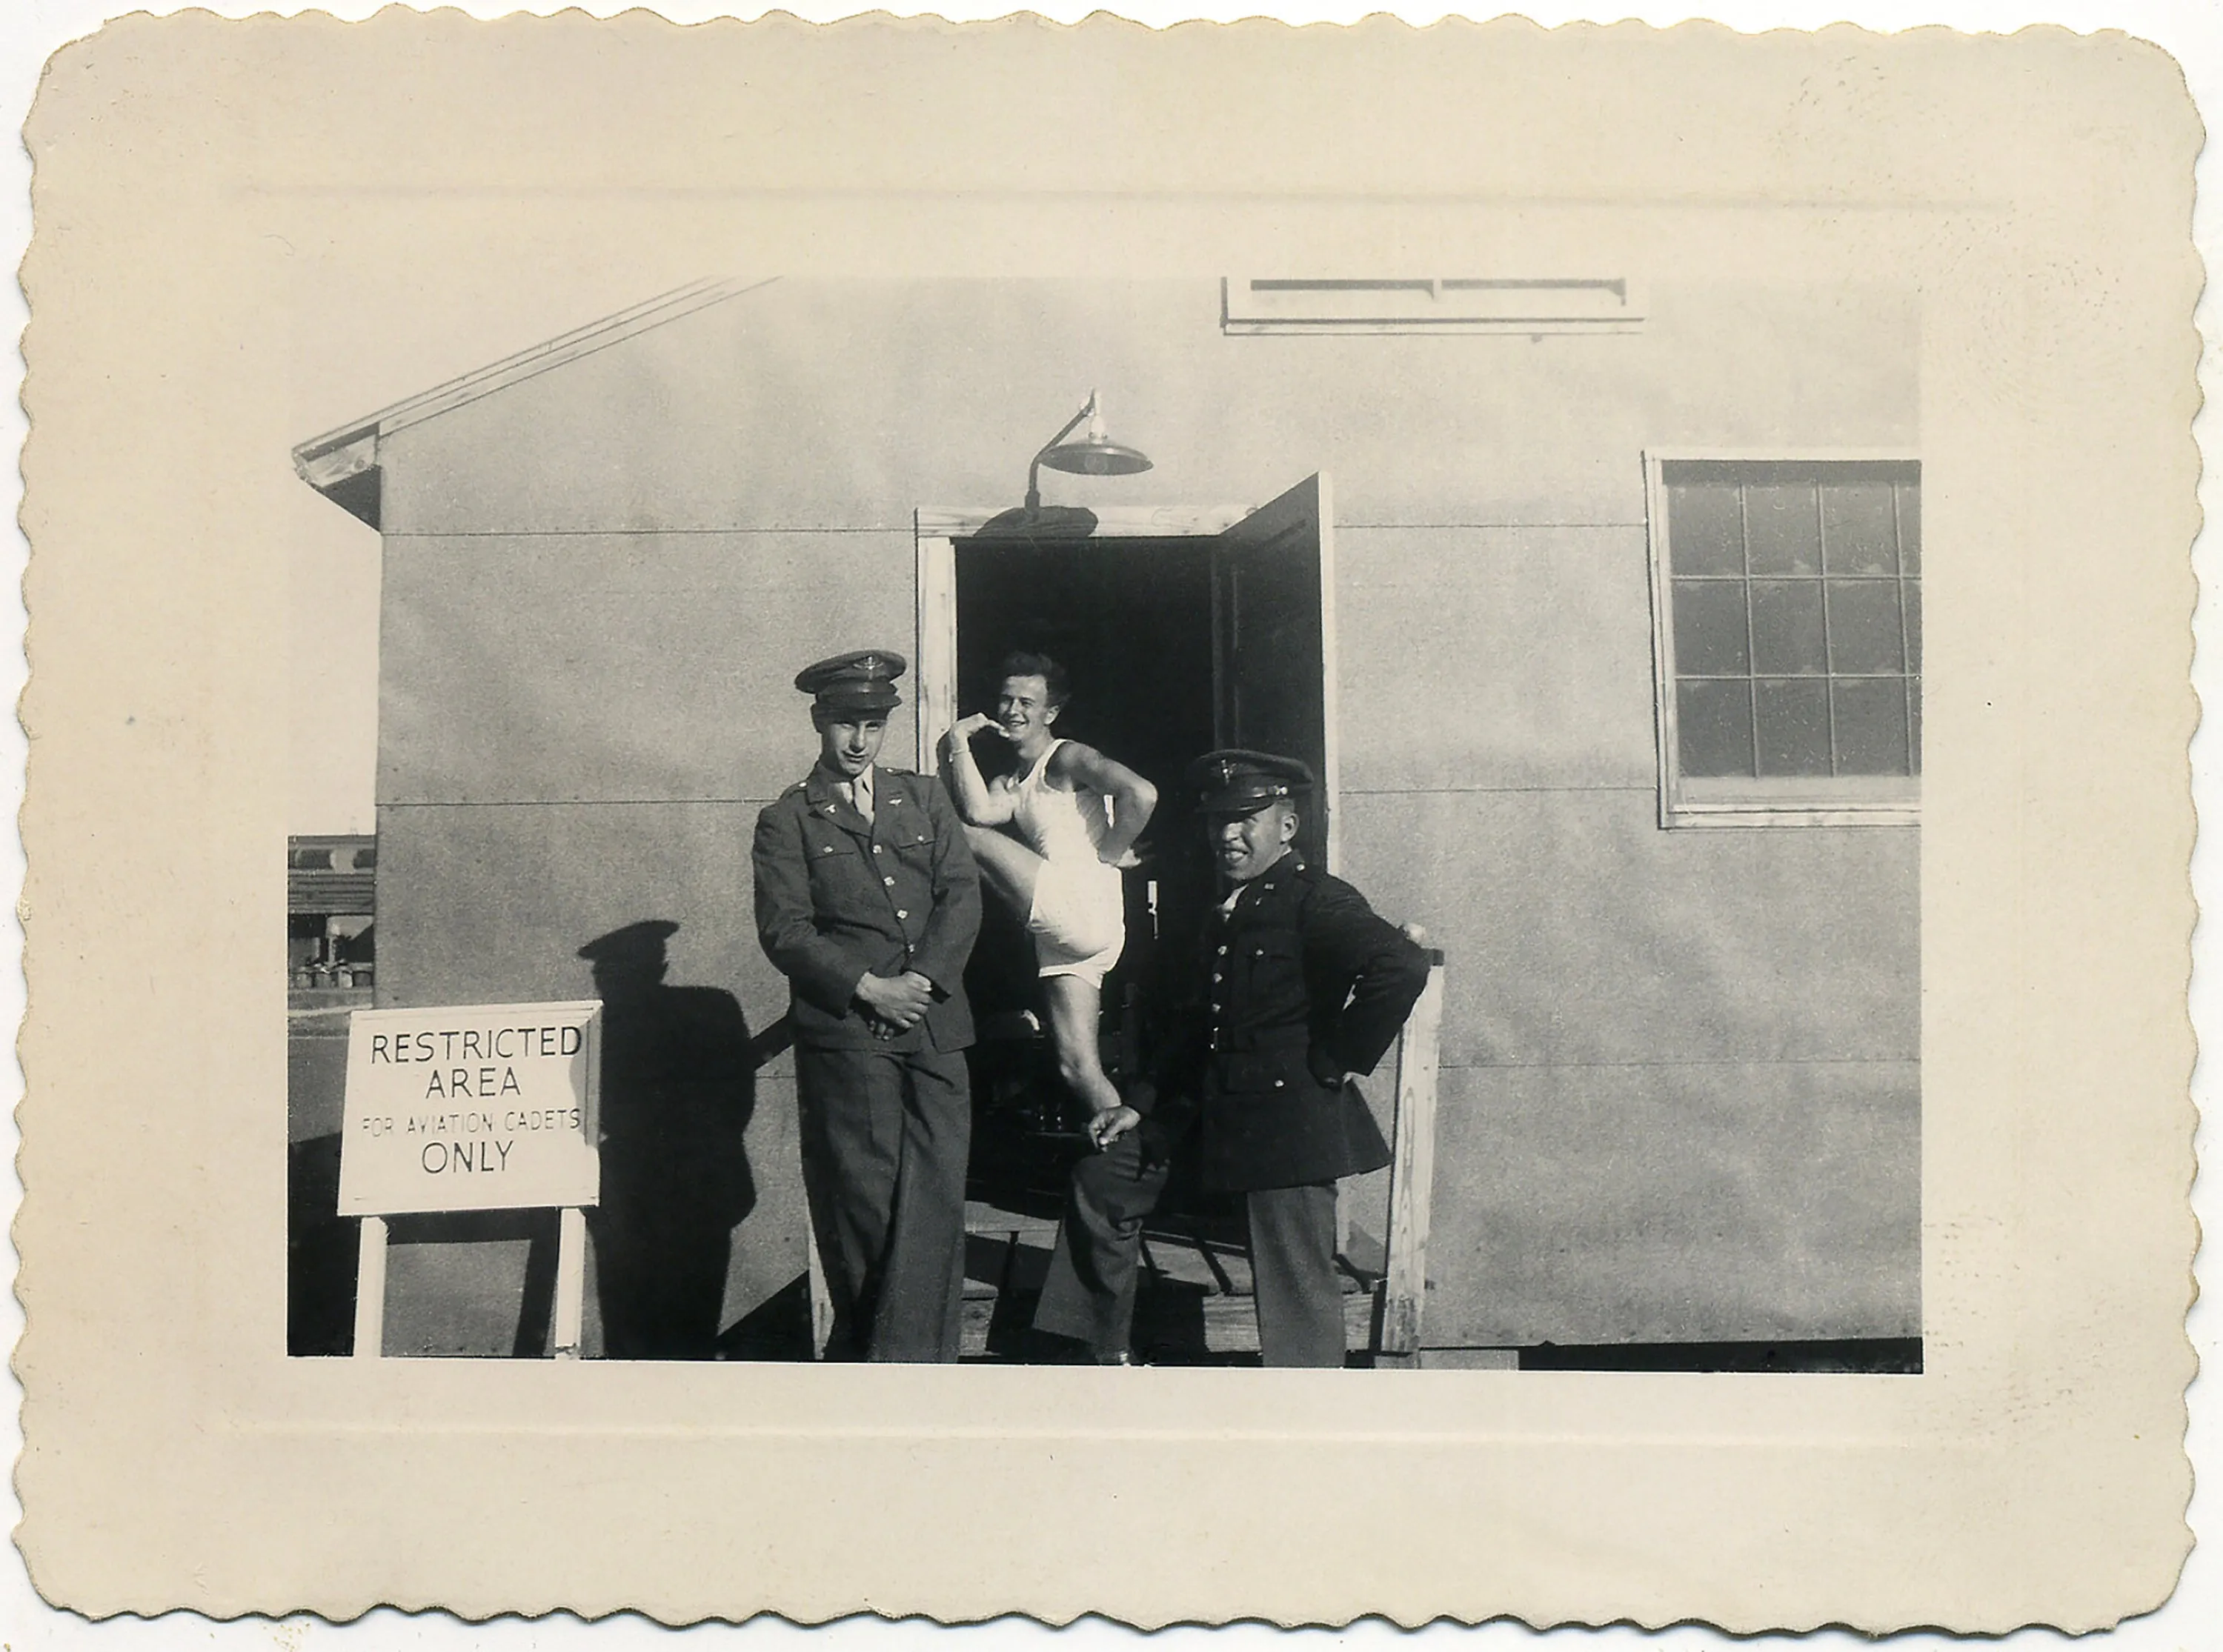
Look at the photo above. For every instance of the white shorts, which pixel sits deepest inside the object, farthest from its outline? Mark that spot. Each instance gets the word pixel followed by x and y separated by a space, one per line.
pixel 1079 921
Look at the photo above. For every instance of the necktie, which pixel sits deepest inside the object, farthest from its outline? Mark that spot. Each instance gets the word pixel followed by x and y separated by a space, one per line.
pixel 861 794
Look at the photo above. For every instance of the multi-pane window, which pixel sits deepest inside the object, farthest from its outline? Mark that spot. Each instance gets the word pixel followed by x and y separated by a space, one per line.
pixel 1791 644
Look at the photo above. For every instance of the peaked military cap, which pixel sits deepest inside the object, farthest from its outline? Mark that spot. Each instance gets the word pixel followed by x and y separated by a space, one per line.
pixel 1236 782
pixel 863 682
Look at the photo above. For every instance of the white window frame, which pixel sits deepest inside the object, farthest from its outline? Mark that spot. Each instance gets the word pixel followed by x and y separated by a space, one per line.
pixel 1533 307
pixel 1738 801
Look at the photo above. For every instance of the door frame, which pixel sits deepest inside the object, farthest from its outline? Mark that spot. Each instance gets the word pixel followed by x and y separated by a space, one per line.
pixel 935 531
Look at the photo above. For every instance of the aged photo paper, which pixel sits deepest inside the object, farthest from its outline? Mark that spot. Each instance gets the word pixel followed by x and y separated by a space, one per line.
pixel 1694 598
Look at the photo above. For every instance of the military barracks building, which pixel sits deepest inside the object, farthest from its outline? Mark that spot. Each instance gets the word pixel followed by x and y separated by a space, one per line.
pixel 1597 605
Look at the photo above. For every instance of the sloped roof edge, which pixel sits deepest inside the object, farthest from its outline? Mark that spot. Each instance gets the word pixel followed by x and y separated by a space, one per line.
pixel 342 463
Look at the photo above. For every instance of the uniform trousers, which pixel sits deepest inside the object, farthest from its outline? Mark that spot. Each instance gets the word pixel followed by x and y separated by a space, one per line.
pixel 884 1137
pixel 1089 1293
pixel 1293 1277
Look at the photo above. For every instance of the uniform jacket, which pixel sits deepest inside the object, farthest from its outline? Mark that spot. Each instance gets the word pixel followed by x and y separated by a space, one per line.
pixel 1301 977
pixel 837 897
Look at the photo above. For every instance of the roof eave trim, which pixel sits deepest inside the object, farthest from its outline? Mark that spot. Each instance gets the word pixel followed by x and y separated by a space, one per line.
pixel 332 460
pixel 345 453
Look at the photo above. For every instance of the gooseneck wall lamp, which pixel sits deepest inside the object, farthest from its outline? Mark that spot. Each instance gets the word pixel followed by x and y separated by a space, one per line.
pixel 1094 455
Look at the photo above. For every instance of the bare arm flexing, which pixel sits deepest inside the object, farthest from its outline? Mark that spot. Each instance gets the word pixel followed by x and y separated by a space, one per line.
pixel 980 802
pixel 1074 765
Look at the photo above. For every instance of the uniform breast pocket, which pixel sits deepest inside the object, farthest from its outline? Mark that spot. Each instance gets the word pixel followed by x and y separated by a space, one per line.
pixel 837 860
pixel 1271 953
pixel 913 843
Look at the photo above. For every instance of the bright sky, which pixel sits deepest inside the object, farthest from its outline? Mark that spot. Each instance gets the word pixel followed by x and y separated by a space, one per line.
pixel 359 347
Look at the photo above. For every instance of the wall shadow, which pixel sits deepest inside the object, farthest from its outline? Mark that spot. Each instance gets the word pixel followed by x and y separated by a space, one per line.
pixel 678 1090
pixel 778 1327
pixel 320 1252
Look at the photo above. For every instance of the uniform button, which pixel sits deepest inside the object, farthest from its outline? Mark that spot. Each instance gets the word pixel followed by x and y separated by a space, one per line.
pixel 900 912
pixel 1277 1083
pixel 878 850
pixel 1215 1006
pixel 889 882
pixel 1216 978
pixel 1223 952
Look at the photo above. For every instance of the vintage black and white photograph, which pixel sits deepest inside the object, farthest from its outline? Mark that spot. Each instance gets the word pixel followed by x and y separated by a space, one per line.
pixel 1203 825
pixel 1313 819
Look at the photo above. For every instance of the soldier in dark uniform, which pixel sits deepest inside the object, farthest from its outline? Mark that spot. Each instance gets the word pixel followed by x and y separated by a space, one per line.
pixel 868 900
pixel 1299 985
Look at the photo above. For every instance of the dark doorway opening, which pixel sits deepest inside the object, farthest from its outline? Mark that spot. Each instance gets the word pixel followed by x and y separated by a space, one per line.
pixel 1174 645
pixel 1131 621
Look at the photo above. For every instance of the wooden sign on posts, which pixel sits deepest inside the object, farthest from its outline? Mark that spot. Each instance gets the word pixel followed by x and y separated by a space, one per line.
pixel 477 1107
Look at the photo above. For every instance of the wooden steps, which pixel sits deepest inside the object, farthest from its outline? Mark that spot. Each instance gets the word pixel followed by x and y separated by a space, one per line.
pixel 1195 1299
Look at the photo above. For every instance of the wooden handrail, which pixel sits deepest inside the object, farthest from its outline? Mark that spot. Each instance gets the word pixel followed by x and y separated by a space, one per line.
pixel 1412 1170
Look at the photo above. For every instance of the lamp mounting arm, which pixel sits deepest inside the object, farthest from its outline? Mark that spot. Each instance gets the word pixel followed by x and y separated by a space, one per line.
pixel 1034 470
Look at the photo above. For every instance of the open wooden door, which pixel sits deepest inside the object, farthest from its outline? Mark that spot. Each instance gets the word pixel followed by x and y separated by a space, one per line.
pixel 1273 595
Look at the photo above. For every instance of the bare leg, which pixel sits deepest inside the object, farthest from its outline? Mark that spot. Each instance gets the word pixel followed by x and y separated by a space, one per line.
pixel 1075 1005
pixel 1008 867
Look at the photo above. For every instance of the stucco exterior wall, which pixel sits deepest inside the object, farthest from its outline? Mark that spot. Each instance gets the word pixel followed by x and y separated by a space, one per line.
pixel 576 734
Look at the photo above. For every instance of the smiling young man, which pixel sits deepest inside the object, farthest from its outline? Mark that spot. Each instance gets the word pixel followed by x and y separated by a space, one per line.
pixel 868 900
pixel 1077 815
pixel 1298 986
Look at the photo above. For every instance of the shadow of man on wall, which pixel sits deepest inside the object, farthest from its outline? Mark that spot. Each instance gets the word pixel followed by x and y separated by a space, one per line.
pixel 678 1087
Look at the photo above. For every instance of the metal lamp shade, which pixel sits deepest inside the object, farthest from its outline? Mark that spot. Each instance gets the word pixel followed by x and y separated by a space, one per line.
pixel 1095 458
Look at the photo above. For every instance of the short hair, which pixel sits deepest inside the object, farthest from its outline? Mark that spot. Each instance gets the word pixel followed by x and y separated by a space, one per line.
pixel 1022 663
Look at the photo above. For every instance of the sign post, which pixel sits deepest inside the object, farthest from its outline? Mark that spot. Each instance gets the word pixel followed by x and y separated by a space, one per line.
pixel 481 1107
pixel 370 1289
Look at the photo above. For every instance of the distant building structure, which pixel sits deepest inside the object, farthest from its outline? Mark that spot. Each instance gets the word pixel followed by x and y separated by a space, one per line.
pixel 330 903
